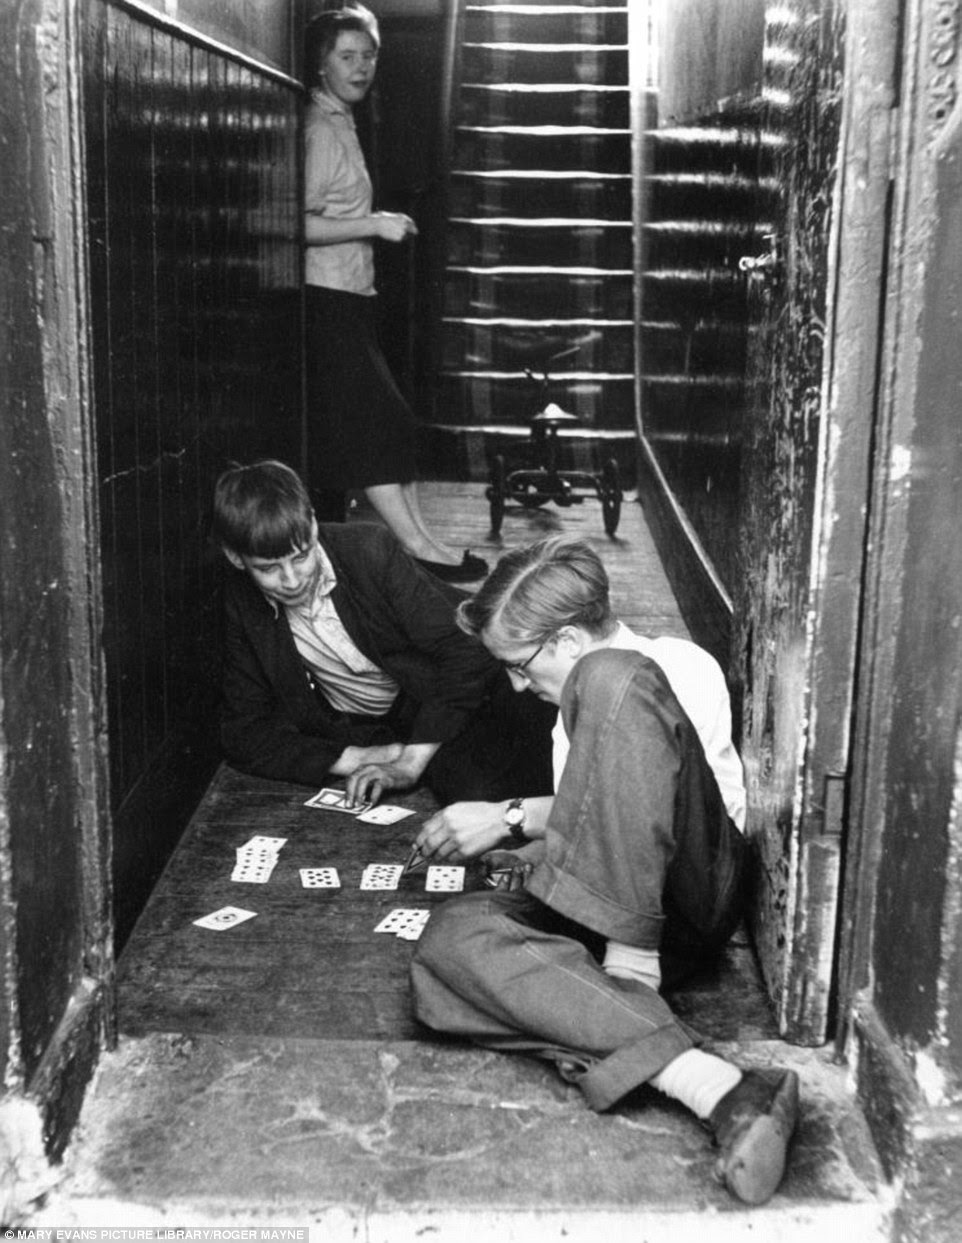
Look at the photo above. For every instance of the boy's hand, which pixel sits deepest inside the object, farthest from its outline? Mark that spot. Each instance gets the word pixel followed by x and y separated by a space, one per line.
pixel 368 782
pixel 352 758
pixel 504 869
pixel 462 831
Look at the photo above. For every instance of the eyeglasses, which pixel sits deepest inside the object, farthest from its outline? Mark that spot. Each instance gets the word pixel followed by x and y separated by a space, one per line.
pixel 519 667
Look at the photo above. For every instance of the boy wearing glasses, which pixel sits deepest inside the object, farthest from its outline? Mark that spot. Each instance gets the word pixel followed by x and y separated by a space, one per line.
pixel 639 867
pixel 556 591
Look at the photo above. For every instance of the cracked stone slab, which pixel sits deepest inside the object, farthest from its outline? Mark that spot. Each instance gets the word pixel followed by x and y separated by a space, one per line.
pixel 245 1128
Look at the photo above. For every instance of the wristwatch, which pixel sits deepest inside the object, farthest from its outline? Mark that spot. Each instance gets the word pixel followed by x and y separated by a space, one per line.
pixel 514 819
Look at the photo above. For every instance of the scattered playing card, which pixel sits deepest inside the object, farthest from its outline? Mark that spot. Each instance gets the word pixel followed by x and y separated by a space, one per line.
pixel 252 872
pixel 450 879
pixel 396 919
pixel 226 917
pixel 320 878
pixel 256 860
pixel 385 814
pixel 404 922
pixel 381 875
pixel 411 931
pixel 335 800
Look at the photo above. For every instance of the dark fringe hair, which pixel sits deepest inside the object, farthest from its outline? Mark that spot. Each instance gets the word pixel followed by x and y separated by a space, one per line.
pixel 261 510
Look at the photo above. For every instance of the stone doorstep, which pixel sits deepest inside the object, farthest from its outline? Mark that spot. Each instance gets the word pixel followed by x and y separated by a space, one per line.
pixel 390 1141
pixel 863 1223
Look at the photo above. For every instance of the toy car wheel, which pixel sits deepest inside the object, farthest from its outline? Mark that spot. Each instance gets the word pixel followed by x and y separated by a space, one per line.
pixel 496 491
pixel 610 496
pixel 532 497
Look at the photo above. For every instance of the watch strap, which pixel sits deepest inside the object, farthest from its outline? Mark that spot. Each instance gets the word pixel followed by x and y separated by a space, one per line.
pixel 517 830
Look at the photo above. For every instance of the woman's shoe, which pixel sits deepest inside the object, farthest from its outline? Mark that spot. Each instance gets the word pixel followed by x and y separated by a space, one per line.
pixel 471 568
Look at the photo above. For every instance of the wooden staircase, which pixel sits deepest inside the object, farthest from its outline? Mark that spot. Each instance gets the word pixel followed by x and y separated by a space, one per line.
pixel 539 252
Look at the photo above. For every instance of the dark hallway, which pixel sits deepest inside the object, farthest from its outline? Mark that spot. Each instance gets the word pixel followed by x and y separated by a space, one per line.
pixel 280 1078
pixel 734 226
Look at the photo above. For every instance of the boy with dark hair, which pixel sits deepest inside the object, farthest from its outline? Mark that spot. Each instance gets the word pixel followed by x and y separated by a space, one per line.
pixel 343 658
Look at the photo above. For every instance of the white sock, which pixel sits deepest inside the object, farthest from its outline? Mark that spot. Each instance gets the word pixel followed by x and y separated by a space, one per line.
pixel 629 962
pixel 699 1080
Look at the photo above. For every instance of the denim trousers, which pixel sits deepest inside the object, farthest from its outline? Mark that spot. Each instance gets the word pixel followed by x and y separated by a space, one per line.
pixel 639 848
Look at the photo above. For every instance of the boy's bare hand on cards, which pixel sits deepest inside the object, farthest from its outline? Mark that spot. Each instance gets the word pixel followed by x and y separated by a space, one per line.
pixel 462 831
pixel 372 780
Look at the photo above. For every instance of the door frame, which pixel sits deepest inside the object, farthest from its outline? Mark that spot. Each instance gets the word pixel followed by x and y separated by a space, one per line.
pixel 928 121
pixel 860 232
pixel 52 1085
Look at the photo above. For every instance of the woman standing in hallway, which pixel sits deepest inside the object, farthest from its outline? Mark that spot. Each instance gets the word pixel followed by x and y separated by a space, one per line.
pixel 362 432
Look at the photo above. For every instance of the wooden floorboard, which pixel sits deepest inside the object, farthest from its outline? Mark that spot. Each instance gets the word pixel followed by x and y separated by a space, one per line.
pixel 310 965
pixel 640 591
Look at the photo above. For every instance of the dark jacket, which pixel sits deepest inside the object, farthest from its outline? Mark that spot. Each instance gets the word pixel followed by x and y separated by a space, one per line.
pixel 275 724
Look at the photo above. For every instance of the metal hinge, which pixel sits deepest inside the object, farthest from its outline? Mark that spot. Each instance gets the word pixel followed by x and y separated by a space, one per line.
pixel 836 792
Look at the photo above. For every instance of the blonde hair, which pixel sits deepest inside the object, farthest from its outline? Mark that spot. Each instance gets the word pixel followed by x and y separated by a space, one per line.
pixel 532 592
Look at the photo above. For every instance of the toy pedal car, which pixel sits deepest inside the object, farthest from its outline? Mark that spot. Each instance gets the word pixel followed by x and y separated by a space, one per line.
pixel 542 481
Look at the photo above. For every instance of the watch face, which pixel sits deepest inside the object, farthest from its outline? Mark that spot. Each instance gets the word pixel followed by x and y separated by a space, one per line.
pixel 514 815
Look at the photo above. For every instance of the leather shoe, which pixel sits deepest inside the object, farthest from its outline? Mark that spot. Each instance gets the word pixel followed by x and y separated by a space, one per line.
pixel 753 1124
pixel 471 567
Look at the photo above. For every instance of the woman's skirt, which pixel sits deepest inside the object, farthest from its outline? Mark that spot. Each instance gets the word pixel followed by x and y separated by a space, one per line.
pixel 360 430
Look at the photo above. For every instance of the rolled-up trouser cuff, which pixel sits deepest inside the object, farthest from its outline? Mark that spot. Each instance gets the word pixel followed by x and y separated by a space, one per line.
pixel 608 1080
pixel 570 897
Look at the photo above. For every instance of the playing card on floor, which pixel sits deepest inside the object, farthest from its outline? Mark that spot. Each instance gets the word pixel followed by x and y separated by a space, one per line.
pixel 247 851
pixel 440 878
pixel 381 875
pixel 335 800
pixel 252 871
pixel 226 917
pixel 320 878
pixel 402 920
pixel 256 860
pixel 412 930
pixel 386 813
pixel 260 842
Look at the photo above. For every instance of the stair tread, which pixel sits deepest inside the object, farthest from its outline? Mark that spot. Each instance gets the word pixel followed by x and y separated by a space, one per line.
pixel 499 239
pixel 528 222
pixel 544 129
pixel 517 321
pixel 547 88
pixel 578 270
pixel 525 46
pixel 560 174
